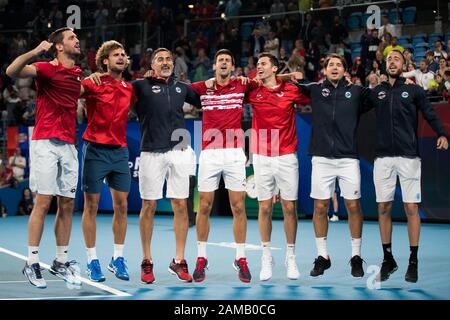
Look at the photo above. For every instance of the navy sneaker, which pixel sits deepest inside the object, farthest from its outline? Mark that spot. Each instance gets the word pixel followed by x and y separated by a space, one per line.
pixel 119 268
pixel 94 271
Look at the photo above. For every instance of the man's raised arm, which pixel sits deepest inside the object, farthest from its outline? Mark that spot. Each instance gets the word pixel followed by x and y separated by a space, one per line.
pixel 20 67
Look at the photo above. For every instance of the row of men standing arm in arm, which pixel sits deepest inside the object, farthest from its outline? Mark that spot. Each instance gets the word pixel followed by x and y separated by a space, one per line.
pixel 158 102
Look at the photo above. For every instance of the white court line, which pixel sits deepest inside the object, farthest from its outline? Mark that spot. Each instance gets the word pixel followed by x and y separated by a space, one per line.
pixel 248 246
pixel 25 281
pixel 87 281
pixel 56 298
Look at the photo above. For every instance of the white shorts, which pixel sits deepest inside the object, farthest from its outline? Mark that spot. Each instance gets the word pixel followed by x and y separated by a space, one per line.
pixel 227 162
pixel 53 167
pixel 325 171
pixel 173 166
pixel 385 174
pixel 273 174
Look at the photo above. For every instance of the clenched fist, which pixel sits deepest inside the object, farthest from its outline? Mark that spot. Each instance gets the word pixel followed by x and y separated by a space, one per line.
pixel 44 46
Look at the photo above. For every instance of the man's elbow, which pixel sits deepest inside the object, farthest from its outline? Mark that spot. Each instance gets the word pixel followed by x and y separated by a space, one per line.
pixel 10 73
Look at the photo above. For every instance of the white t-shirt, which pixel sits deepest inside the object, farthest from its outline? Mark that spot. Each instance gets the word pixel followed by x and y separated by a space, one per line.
pixel 19 160
pixel 422 78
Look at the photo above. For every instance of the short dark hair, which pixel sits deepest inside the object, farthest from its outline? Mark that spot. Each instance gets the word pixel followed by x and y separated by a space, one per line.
pixel 57 37
pixel 425 61
pixel 158 51
pixel 273 60
pixel 335 56
pixel 227 52
pixel 447 73
pixel 399 52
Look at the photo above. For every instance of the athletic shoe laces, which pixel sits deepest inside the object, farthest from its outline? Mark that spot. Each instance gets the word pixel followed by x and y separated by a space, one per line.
pixel 37 270
pixel 201 264
pixel 147 267
pixel 243 265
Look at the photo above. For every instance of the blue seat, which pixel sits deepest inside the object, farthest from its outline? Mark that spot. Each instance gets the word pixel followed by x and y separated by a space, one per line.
pixel 409 15
pixel 364 18
pixel 405 37
pixel 417 40
pixel 408 46
pixel 392 16
pixel 356 53
pixel 421 45
pixel 354 21
pixel 246 29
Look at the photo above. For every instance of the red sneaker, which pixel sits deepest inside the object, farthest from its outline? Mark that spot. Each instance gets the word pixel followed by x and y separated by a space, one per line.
pixel 242 268
pixel 147 271
pixel 180 270
pixel 199 273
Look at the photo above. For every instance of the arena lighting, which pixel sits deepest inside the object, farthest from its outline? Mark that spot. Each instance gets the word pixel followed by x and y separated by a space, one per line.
pixel 191 6
pixel 223 16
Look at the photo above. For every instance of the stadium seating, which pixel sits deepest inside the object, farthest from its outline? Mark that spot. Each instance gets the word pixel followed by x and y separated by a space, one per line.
pixel 409 15
pixel 354 21
pixel 392 16
pixel 246 29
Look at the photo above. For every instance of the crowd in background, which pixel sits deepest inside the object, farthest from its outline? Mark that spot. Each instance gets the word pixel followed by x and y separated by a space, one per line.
pixel 300 44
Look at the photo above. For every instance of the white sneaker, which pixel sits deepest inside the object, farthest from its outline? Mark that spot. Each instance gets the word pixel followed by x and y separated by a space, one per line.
pixel 69 272
pixel 266 268
pixel 291 267
pixel 334 218
pixel 34 275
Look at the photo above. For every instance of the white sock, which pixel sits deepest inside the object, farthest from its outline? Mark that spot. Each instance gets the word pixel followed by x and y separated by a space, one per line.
pixel 33 255
pixel 240 250
pixel 61 254
pixel 91 254
pixel 118 250
pixel 266 248
pixel 290 250
pixel 356 247
pixel 321 244
pixel 201 249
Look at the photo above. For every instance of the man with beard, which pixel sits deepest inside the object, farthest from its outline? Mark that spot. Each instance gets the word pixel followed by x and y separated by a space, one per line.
pixel 105 154
pixel 397 155
pixel 53 156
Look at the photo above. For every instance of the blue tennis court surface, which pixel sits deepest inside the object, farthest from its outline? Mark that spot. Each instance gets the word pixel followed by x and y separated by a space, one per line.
pixel 221 280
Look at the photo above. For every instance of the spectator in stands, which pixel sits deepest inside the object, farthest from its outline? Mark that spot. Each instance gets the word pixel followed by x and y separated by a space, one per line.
pixel 393 46
pixel 12 102
pixel 433 66
pixel 318 34
pixel 448 45
pixel 272 44
pixel 364 43
pixel 18 164
pixel 373 80
pixel 283 59
pixel 201 66
pixel 312 60
pixel 338 33
pixel 439 50
pixel 446 80
pixel 442 66
pixel 287 33
pixel 6 174
pixel 358 70
pixel 408 56
pixel 374 43
pixel 101 20
pixel 277 10
pixel 299 49
pixel 26 204
pixel 257 42
pixel 55 18
pixel 306 29
pixel 422 75
pixel 180 68
pixel 386 42
pixel 233 8
pixel 29 114
pixel 376 68
pixel 24 87
pixel 19 43
pixel 386 29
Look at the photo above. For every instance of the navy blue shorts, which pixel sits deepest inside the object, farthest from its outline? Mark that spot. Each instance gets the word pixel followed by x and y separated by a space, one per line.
pixel 104 162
